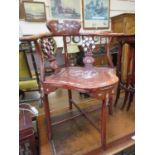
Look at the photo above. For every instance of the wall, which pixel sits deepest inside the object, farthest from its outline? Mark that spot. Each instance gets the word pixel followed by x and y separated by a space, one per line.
pixel 121 6
pixel 116 7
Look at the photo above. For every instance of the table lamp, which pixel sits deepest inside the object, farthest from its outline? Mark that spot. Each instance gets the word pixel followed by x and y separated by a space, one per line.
pixel 72 49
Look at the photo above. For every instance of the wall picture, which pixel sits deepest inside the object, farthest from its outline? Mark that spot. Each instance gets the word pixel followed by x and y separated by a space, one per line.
pixel 34 11
pixel 65 9
pixel 95 14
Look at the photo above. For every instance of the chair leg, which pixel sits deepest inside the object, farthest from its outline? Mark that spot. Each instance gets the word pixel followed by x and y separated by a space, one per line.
pixel 21 94
pixel 48 117
pixel 130 101
pixel 103 124
pixel 117 96
pixel 70 98
pixel 110 105
pixel 125 99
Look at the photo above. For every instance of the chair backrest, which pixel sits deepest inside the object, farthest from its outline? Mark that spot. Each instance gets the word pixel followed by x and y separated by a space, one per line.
pixel 46 45
pixel 65 27
pixel 24 70
pixel 27 80
pixel 46 50
pixel 126 58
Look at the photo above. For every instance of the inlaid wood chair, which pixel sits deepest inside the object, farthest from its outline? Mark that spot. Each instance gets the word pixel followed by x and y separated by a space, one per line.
pixel 98 82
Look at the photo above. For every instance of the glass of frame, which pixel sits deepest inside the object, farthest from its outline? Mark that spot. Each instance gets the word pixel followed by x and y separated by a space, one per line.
pixel 34 11
pixel 64 9
pixel 68 39
pixel 95 14
pixel 96 38
pixel 76 39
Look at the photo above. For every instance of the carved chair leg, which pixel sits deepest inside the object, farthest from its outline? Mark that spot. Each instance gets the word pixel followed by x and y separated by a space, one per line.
pixel 117 95
pixel 48 117
pixel 110 105
pixel 130 101
pixel 125 99
pixel 70 98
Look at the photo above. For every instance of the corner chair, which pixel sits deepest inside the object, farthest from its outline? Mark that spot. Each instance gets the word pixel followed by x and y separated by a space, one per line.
pixel 100 85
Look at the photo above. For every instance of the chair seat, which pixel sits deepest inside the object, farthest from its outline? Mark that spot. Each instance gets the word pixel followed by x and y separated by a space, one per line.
pixel 28 85
pixel 78 78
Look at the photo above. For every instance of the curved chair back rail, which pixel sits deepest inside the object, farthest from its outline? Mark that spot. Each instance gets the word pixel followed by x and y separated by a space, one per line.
pixel 39 41
pixel 107 35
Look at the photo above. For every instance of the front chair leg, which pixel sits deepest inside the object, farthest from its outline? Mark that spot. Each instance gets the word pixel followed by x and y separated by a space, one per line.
pixel 118 95
pixel 70 98
pixel 21 94
pixel 125 99
pixel 48 117
pixel 130 100
pixel 103 124
pixel 110 105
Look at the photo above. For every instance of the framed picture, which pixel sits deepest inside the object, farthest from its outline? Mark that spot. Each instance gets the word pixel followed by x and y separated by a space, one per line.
pixel 34 11
pixel 95 14
pixel 64 9
pixel 21 9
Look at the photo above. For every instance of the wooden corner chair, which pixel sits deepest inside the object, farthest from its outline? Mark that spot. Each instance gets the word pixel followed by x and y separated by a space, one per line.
pixel 100 86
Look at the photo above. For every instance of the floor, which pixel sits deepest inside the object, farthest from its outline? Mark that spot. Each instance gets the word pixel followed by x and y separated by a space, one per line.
pixel 78 136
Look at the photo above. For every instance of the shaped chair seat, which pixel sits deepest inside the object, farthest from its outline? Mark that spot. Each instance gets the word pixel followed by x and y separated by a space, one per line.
pixel 28 85
pixel 74 78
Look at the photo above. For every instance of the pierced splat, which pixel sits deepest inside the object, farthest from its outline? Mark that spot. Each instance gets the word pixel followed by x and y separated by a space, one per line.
pixel 48 46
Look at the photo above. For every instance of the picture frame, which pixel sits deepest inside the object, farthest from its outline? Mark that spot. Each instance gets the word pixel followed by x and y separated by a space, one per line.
pixel 34 11
pixel 64 9
pixel 96 14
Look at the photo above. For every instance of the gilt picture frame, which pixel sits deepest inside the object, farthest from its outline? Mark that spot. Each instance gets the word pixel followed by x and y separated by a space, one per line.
pixel 95 14
pixel 34 11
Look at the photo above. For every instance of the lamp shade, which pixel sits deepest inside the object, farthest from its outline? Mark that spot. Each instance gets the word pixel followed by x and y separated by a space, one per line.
pixel 72 48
